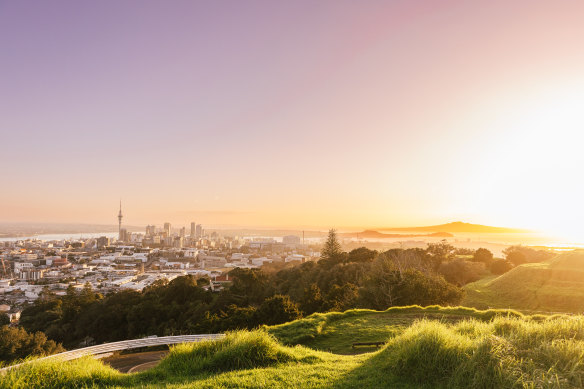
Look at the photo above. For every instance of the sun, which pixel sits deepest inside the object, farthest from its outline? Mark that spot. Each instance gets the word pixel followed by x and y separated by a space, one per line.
pixel 533 172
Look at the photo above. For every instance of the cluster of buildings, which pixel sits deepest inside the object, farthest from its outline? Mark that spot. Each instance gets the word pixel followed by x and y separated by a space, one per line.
pixel 133 261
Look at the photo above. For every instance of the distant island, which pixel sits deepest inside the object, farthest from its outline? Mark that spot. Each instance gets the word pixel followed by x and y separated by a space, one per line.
pixel 379 235
pixel 455 227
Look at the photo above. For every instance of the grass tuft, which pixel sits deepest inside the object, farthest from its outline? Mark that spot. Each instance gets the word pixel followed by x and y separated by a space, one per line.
pixel 237 351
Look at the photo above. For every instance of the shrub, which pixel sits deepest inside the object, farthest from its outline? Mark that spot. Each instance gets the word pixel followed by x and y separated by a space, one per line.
pixel 500 266
pixel 460 272
pixel 278 309
pixel 483 255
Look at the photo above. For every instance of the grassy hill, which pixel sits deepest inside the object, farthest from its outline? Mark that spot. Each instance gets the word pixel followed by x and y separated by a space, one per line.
pixel 427 347
pixel 556 285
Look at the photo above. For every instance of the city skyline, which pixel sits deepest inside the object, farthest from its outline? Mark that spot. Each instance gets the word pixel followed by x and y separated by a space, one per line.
pixel 263 114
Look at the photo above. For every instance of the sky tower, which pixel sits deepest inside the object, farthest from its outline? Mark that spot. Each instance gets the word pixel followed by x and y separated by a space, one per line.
pixel 120 216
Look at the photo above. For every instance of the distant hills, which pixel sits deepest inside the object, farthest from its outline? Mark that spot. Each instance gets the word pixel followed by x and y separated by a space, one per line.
pixel 379 235
pixel 458 227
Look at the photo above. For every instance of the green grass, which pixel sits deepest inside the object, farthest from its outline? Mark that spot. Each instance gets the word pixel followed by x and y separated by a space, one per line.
pixel 556 285
pixel 427 347
pixel 336 332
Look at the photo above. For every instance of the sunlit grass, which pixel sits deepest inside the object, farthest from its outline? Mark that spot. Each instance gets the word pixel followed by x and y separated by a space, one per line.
pixel 461 348
pixel 556 285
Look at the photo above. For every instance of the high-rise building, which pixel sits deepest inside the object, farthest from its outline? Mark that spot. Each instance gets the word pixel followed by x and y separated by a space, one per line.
pixel 120 216
pixel 102 242
pixel 198 231
pixel 167 229
pixel 150 230
pixel 291 239
pixel 193 230
pixel 183 232
pixel 123 235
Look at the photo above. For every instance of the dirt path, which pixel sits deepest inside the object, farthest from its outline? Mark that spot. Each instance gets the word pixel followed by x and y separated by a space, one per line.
pixel 132 363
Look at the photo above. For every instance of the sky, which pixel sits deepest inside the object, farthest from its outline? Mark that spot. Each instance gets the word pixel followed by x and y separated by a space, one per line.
pixel 293 114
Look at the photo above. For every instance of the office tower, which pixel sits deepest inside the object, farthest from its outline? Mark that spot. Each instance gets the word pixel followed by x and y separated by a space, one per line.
pixel 123 235
pixel 199 231
pixel 193 230
pixel 150 230
pixel 167 229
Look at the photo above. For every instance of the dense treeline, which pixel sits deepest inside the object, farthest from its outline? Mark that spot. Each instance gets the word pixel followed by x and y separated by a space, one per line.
pixel 361 278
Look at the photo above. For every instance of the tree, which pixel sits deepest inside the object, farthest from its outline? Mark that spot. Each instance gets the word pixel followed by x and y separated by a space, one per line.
pixel 4 319
pixel 460 272
pixel 362 254
pixel 483 255
pixel 331 253
pixel 278 309
pixel 500 266
pixel 332 247
pixel 394 283
pixel 16 343
pixel 440 252
pixel 527 254
pixel 312 299
pixel 516 258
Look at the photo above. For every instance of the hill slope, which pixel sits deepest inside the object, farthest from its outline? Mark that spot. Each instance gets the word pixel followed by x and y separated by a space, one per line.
pixel 449 352
pixel 556 285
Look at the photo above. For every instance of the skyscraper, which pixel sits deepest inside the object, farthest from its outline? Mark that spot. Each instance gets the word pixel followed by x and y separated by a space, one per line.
pixel 120 216
pixel 167 229
pixel 193 230
pixel 150 230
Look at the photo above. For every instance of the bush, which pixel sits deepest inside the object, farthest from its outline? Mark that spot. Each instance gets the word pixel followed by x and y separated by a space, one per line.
pixel 483 255
pixel 520 254
pixel 460 272
pixel 278 309
pixel 500 266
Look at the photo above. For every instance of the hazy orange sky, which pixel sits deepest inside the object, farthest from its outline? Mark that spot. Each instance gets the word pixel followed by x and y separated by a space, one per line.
pixel 303 113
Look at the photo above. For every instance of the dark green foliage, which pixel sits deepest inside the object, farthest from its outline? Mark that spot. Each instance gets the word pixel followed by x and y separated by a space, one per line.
pixel 362 278
pixel 460 272
pixel 4 319
pixel 331 252
pixel 16 343
pixel 312 300
pixel 399 278
pixel 362 254
pixel 278 309
pixel 252 285
pixel 483 255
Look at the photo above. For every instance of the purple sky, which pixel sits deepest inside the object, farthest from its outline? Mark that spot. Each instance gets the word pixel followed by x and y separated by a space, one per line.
pixel 303 113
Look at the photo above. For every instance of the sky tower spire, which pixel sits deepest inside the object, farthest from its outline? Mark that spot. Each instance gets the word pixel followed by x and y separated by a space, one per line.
pixel 120 216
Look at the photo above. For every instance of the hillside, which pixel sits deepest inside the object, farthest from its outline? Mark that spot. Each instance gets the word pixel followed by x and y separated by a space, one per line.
pixel 458 227
pixel 556 285
pixel 426 347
